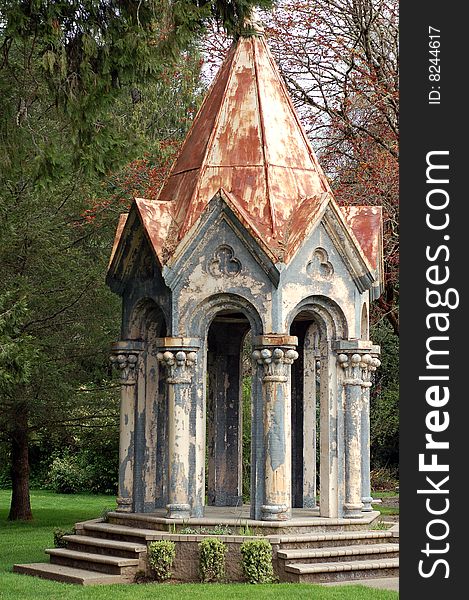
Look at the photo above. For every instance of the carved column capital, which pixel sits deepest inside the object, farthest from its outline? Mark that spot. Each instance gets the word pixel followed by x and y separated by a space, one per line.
pixel 368 365
pixel 350 363
pixel 180 365
pixel 275 362
pixel 124 356
pixel 358 361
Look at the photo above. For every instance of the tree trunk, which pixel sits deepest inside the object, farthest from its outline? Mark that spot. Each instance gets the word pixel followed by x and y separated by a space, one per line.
pixel 20 508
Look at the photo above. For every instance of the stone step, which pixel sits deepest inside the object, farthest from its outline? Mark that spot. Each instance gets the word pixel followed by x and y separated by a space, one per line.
pixel 335 539
pixel 136 520
pixel 67 574
pixel 113 565
pixel 120 532
pixel 86 543
pixel 339 553
pixel 341 571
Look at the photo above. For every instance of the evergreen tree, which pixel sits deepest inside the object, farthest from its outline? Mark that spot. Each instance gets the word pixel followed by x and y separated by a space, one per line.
pixel 75 76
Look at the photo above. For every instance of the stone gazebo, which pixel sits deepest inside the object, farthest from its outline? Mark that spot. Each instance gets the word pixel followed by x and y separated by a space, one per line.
pixel 246 236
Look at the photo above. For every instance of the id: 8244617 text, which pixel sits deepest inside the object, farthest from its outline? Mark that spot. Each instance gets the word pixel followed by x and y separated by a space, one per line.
pixel 434 72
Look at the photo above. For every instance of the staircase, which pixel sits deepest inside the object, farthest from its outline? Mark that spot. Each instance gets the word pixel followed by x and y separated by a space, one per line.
pixel 95 555
pixel 338 557
pixel 105 553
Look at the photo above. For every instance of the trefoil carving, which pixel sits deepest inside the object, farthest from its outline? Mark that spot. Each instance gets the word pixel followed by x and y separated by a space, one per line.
pixel 319 267
pixel 224 262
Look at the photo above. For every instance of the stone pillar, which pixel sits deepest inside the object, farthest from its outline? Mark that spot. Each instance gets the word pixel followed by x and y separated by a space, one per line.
pixel 180 365
pixel 368 365
pixel 149 411
pixel 331 470
pixel 357 362
pixel 353 395
pixel 275 355
pixel 125 356
pixel 257 444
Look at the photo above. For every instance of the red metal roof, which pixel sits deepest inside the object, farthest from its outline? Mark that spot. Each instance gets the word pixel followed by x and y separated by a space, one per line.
pixel 248 140
pixel 157 220
pixel 366 222
pixel 118 234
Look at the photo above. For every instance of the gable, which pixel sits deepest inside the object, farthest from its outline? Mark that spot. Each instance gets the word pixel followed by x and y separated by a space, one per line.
pixel 319 268
pixel 366 222
pixel 220 232
pixel 330 257
pixel 133 256
pixel 348 248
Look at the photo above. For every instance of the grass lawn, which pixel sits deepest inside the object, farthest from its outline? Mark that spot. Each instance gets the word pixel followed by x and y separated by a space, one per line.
pixel 383 509
pixel 25 543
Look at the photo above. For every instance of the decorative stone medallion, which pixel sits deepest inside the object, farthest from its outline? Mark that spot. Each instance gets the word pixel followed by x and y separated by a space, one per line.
pixel 319 267
pixel 224 262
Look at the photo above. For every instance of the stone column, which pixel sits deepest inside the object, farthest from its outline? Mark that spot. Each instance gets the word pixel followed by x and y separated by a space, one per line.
pixel 353 396
pixel 125 356
pixel 331 469
pixel 180 365
pixel 356 359
pixel 369 363
pixel 275 356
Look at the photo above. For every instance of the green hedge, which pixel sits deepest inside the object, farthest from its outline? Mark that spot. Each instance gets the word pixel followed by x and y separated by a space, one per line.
pixel 212 553
pixel 161 556
pixel 257 561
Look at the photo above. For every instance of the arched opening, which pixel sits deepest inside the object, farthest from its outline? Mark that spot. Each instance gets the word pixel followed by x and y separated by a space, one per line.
pixel 222 323
pixel 317 415
pixel 228 399
pixel 305 411
pixel 364 326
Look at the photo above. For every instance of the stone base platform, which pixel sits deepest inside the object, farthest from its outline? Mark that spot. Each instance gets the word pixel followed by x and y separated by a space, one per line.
pixel 304 520
pixel 307 548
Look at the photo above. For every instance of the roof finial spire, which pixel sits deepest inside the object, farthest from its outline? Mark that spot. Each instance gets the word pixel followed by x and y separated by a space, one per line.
pixel 252 24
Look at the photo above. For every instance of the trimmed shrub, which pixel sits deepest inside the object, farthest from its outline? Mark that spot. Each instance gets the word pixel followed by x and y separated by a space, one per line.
pixel 257 561
pixel 161 555
pixel 212 560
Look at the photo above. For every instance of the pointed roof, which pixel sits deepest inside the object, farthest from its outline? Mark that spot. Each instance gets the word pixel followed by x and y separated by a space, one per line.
pixel 248 140
pixel 247 144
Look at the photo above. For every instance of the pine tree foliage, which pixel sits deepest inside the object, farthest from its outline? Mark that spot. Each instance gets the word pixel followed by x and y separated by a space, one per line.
pixel 87 87
pixel 86 51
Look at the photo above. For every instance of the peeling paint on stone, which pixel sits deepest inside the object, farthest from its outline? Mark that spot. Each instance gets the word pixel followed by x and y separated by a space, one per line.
pixel 245 234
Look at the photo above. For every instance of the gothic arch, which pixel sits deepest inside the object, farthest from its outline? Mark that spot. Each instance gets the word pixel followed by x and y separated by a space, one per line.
pixel 205 312
pixel 146 315
pixel 330 317
pixel 319 321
